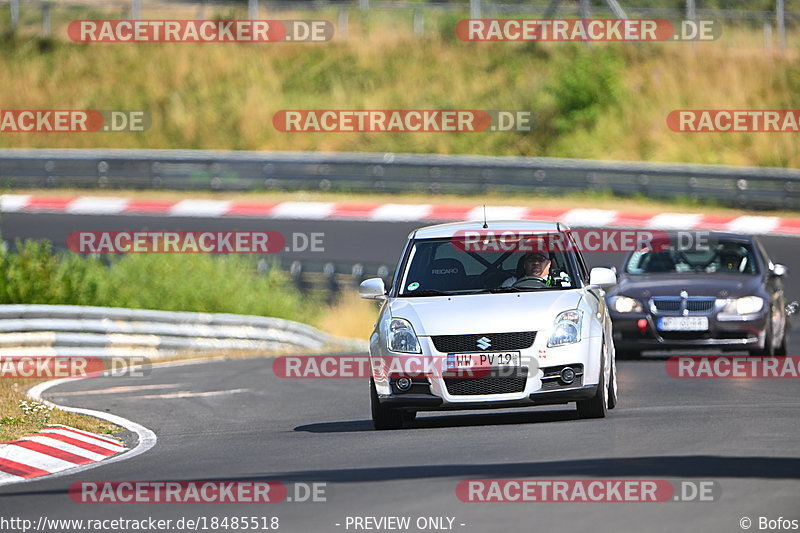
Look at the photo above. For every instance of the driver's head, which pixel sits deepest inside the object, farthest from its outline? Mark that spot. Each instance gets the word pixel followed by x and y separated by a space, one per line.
pixel 536 264
pixel 730 260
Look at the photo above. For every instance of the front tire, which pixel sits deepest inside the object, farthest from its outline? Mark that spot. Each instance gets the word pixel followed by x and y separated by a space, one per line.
pixel 597 405
pixel 383 418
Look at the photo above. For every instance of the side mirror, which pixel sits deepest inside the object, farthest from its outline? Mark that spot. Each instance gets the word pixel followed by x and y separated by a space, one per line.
pixel 602 277
pixel 779 270
pixel 372 289
pixel 613 269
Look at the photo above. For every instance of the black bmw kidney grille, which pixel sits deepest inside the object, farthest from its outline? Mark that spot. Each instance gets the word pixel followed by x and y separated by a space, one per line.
pixel 492 384
pixel 497 342
pixel 693 304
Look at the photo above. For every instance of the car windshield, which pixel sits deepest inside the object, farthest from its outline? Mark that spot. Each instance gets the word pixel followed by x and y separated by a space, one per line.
pixel 443 266
pixel 722 257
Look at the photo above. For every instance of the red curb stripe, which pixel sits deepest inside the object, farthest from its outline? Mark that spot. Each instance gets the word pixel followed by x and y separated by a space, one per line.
pixel 18 469
pixel 353 210
pixel 85 434
pixel 635 220
pixel 247 209
pixel 48 203
pixel 53 452
pixel 78 443
pixel 449 212
pixel 148 206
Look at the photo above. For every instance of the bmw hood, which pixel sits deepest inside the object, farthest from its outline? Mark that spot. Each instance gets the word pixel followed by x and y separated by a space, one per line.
pixel 695 284
pixel 484 313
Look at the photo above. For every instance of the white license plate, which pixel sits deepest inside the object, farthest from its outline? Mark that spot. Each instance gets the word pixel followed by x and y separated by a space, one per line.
pixel 683 323
pixel 483 360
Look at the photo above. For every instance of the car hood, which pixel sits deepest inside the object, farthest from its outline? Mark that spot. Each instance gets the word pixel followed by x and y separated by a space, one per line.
pixel 484 313
pixel 715 285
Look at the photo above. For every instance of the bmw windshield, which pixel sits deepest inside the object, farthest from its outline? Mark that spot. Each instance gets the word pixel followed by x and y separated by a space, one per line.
pixel 439 267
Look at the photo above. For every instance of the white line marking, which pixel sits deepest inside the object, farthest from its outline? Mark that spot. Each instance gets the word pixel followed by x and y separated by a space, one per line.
pixel 115 390
pixel 190 394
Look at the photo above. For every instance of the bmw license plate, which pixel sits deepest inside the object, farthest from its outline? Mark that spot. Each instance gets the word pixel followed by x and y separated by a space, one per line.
pixel 683 323
pixel 483 360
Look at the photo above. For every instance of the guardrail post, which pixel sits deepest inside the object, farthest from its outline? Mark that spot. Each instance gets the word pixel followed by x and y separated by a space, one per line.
pixel 296 274
pixel 252 9
pixel 767 35
pixel 46 19
pixel 333 288
pixel 584 11
pixel 363 4
pixel 691 11
pixel 780 19
pixel 136 9
pixel 14 6
pixel 357 273
pixel 474 9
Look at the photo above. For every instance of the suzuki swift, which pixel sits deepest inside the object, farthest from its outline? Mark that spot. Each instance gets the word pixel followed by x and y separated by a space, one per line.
pixel 491 315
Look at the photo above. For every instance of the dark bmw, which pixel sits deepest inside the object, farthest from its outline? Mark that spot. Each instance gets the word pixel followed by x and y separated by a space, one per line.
pixel 725 294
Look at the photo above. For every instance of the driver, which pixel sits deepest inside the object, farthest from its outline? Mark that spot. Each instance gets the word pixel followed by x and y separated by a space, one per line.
pixel 534 265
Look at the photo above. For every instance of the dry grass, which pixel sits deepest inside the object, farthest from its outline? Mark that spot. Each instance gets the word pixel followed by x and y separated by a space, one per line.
pixel 351 317
pixel 224 95
pixel 14 423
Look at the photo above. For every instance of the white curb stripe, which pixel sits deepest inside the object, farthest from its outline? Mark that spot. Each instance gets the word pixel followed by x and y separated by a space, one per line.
pixel 88 205
pixel 401 212
pixel 199 208
pixel 5 477
pixel 303 210
pixel 674 221
pixel 87 440
pixel 61 445
pixel 589 217
pixel 752 224
pixel 34 459
pixel 497 212
pixel 13 203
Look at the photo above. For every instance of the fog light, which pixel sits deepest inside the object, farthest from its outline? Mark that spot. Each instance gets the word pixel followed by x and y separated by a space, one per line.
pixel 642 323
pixel 567 375
pixel 403 384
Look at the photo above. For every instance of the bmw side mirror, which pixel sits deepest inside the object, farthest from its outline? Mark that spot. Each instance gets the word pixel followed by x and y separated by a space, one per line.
pixel 372 289
pixel 602 277
pixel 779 270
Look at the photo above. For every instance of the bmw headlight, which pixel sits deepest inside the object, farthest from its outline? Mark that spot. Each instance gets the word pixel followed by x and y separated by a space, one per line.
pixel 401 337
pixel 743 306
pixel 567 328
pixel 623 304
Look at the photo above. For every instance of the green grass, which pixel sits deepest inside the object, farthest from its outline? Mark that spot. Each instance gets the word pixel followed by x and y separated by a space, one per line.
pixel 184 282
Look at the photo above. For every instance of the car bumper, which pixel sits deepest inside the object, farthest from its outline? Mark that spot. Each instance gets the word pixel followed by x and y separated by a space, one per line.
pixel 747 331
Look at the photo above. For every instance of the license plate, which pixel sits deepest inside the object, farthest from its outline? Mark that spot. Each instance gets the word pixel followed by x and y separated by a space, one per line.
pixel 683 323
pixel 483 360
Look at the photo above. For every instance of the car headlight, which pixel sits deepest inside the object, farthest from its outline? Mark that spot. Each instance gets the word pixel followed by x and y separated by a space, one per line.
pixel 401 336
pixel 568 328
pixel 743 306
pixel 623 304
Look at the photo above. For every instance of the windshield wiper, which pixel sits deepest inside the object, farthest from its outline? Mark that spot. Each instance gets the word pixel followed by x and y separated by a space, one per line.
pixel 425 292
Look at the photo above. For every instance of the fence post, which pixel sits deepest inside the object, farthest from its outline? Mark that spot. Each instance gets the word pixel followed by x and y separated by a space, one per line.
pixel 767 35
pixel 252 9
pixel 14 5
pixel 46 19
pixel 474 9
pixel 136 9
pixel 780 19
pixel 584 11
pixel 364 4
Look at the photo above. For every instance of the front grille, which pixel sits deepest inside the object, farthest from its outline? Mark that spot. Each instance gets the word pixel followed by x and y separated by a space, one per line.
pixel 487 385
pixel 497 342
pixel 669 304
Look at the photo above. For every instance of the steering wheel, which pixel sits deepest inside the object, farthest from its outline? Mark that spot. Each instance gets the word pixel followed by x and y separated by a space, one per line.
pixel 530 278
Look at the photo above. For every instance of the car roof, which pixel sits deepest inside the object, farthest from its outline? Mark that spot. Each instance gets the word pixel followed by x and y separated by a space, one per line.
pixel 453 228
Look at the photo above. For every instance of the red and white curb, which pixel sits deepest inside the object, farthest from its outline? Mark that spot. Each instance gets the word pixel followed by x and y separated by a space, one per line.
pixel 58 450
pixel 53 449
pixel 89 205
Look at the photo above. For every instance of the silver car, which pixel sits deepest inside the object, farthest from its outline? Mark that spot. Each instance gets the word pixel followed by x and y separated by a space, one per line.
pixel 491 315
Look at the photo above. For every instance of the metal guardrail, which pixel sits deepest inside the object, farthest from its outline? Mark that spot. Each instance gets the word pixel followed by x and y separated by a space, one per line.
pixel 747 187
pixel 69 330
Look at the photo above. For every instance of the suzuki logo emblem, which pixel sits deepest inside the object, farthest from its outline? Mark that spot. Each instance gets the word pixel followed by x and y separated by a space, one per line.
pixel 483 343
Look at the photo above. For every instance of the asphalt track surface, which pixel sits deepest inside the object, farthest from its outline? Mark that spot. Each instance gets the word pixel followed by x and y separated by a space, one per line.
pixel 234 420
